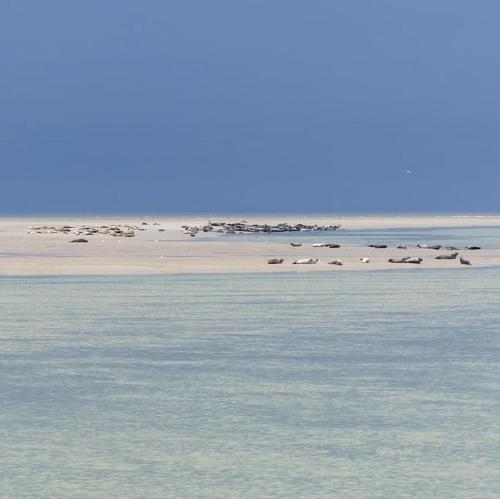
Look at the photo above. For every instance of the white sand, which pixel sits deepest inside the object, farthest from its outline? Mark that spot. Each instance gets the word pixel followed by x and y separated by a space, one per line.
pixel 154 252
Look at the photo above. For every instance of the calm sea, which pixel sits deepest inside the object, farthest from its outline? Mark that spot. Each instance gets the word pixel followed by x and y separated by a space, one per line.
pixel 376 384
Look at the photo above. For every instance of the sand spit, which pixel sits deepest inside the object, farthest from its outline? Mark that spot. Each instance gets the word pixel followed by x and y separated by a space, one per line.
pixel 126 246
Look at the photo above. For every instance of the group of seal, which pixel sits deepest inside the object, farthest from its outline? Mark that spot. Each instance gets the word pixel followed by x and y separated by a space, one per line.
pixel 243 227
pixel 418 260
pixel 405 259
pixel 91 230
pixel 88 230
pixel 425 246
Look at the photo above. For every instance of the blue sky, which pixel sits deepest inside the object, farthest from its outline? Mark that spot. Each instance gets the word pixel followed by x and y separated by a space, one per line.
pixel 166 106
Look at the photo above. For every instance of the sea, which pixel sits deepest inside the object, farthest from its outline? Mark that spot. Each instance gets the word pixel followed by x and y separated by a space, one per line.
pixel 379 384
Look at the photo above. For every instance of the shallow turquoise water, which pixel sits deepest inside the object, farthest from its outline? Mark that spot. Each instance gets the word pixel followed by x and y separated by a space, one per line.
pixel 376 384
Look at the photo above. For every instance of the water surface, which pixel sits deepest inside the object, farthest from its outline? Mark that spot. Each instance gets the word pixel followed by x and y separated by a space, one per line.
pixel 377 384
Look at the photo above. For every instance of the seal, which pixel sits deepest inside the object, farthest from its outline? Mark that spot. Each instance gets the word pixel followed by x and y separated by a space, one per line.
pixel 451 256
pixel 364 259
pixel 429 246
pixel 296 245
pixel 306 261
pixel 275 261
pixel 414 259
pixel 381 246
pixel 336 261
pixel 464 261
pixel 406 259
pixel 473 247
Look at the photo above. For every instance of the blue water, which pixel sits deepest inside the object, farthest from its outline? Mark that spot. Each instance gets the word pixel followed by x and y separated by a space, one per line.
pixel 376 384
pixel 486 237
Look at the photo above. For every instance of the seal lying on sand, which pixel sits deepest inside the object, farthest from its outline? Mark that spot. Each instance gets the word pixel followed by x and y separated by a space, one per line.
pixel 451 256
pixel 451 248
pixel 274 261
pixel 295 245
pixel 306 261
pixel 406 259
pixel 428 246
pixel 473 247
pixel 332 245
pixel 364 259
pixel 377 246
pixel 464 261
pixel 401 246
pixel 80 240
pixel 336 261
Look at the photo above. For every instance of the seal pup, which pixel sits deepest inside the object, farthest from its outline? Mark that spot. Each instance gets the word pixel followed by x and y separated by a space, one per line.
pixel 364 259
pixel 319 245
pixel 381 246
pixel 275 261
pixel 306 261
pixel 336 261
pixel 296 245
pixel 451 256
pixel 464 261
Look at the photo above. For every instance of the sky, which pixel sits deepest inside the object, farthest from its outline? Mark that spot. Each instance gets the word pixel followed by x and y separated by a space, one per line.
pixel 191 106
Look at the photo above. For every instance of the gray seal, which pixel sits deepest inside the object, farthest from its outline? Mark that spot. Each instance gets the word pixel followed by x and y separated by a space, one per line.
pixel 451 256
pixel 275 261
pixel 406 259
pixel 336 261
pixel 428 246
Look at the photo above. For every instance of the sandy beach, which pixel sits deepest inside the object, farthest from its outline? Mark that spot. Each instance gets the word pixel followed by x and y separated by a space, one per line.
pixel 163 248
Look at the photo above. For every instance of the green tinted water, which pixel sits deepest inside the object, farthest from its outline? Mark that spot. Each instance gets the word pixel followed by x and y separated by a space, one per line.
pixel 377 384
